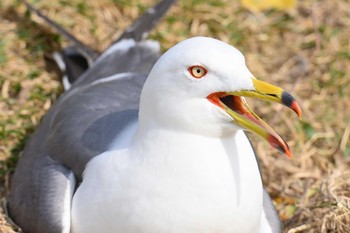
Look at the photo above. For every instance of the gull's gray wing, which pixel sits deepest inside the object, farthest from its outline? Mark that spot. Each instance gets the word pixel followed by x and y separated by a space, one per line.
pixel 81 125
pixel 271 213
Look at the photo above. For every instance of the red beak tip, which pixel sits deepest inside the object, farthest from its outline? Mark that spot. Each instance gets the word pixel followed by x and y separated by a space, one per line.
pixel 296 108
pixel 279 144
pixel 285 151
pixel 289 154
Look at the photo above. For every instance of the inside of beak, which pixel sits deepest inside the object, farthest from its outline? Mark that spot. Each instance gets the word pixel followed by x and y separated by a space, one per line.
pixel 243 116
pixel 240 106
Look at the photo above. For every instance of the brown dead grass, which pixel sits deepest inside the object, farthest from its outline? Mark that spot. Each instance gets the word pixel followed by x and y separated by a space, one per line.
pixel 305 50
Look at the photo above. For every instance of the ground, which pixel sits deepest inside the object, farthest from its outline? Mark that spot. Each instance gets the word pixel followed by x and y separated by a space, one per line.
pixel 305 50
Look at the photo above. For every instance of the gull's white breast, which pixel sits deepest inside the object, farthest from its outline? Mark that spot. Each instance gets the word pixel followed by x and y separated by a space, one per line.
pixel 171 182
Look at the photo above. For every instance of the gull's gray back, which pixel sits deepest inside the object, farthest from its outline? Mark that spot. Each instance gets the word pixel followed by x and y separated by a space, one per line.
pixel 81 125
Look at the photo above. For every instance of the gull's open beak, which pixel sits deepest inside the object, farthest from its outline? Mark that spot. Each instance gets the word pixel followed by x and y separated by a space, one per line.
pixel 243 116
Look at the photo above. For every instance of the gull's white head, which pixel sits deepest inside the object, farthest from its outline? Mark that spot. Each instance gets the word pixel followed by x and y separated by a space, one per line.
pixel 197 86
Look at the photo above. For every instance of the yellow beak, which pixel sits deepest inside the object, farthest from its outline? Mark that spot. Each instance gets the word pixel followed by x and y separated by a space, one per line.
pixel 243 116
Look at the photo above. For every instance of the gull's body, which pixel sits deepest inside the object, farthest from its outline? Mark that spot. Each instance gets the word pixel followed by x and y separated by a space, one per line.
pixel 172 159
pixel 172 182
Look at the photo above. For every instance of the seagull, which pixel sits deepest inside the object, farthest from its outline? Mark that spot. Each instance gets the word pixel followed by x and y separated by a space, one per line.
pixel 148 143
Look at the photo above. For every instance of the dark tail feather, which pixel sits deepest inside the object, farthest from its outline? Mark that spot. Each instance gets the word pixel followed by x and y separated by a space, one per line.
pixel 87 52
pixel 72 65
pixel 145 23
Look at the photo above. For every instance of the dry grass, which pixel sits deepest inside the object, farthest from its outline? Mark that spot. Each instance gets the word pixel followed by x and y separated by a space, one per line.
pixel 305 50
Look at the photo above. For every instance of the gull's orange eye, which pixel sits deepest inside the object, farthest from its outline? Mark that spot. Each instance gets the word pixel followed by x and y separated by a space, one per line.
pixel 197 71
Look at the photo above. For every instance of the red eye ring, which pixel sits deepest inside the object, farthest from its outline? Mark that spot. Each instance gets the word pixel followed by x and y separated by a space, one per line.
pixel 197 71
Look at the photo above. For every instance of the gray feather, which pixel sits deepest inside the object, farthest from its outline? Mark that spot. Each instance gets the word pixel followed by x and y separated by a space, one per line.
pixel 81 110
pixel 139 57
pixel 271 213
pixel 62 143
pixel 36 203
